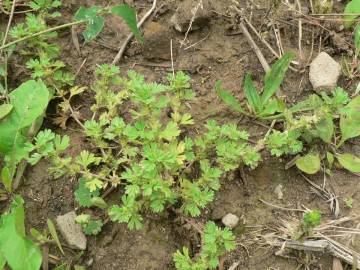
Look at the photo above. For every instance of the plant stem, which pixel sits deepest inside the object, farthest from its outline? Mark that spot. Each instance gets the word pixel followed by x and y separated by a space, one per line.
pixel 41 33
pixel 9 22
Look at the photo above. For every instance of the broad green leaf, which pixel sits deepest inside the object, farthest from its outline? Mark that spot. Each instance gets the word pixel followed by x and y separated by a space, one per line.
pixel 357 40
pixel 6 179
pixel 19 252
pixel 349 162
pixel 311 103
pixel 273 106
pixel 93 28
pixel 2 262
pixel 252 95
pixel 275 76
pixel 309 164
pixel 325 128
pixel 84 14
pixel 29 102
pixel 54 234
pixel 351 7
pixel 128 14
pixel 83 195
pixel 330 158
pixel 94 23
pixel 229 99
pixel 5 109
pixel 350 120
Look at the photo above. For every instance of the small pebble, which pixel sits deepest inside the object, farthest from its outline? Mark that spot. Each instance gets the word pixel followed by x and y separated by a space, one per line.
pixel 324 72
pixel 230 220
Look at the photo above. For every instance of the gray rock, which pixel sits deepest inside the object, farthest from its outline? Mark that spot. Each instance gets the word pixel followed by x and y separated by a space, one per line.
pixel 71 231
pixel 191 12
pixel 324 72
pixel 230 220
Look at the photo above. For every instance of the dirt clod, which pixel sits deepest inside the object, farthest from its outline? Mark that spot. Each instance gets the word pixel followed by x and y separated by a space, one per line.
pixel 71 231
pixel 194 13
pixel 157 42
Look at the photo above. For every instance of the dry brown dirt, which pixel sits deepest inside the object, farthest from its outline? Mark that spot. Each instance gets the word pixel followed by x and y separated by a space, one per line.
pixel 222 53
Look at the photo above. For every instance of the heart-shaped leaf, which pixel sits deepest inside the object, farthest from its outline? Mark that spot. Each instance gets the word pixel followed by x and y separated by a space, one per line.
pixel 309 163
pixel 349 162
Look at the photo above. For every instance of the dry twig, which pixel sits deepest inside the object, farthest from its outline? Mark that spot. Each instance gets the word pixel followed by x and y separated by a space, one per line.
pixel 131 35
pixel 9 22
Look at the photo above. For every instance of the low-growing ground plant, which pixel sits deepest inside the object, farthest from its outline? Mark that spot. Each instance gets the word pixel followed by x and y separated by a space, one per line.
pixel 319 117
pixel 216 242
pixel 309 221
pixel 23 110
pixel 149 153
pixel 316 119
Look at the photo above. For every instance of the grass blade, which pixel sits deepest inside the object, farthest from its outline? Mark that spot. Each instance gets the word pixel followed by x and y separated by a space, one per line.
pixel 128 14
pixel 275 76
pixel 54 234
pixel 252 95
pixel 228 98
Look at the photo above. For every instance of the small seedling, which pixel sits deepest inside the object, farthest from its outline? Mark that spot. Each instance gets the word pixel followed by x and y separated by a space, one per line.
pixel 216 242
pixel 309 221
pixel 261 105
pixel 349 202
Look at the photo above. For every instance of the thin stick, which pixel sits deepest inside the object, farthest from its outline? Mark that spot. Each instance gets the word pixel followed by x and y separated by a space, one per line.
pixel 131 35
pixel 280 207
pixel 300 31
pixel 81 66
pixel 40 33
pixel 9 22
pixel 196 43
pixel 256 49
pixel 261 38
pixel 191 22
pixel 172 58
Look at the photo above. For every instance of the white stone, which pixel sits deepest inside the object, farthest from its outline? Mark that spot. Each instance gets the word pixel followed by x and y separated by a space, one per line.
pixel 278 191
pixel 324 72
pixel 71 231
pixel 230 220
